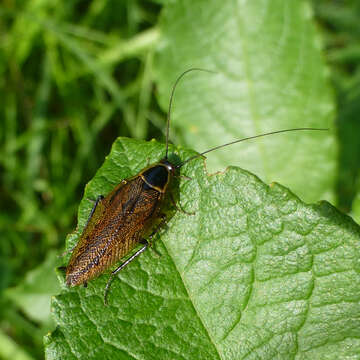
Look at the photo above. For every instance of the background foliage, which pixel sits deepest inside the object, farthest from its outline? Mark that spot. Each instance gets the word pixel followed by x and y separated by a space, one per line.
pixel 73 77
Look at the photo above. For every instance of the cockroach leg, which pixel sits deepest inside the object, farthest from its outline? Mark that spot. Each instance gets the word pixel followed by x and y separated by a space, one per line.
pixel 99 198
pixel 150 244
pixel 183 177
pixel 128 261
pixel 179 208
pixel 156 230
pixel 62 268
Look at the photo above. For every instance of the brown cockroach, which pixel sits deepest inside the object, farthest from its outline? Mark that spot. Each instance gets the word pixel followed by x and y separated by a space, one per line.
pixel 129 214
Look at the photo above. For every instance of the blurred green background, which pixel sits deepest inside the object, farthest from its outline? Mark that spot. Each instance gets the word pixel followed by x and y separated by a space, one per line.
pixel 73 77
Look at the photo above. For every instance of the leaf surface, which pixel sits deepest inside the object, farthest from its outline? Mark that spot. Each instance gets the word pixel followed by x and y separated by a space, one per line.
pixel 255 273
pixel 270 76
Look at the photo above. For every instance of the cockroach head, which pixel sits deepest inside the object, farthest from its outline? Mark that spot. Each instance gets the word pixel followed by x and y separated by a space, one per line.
pixel 170 167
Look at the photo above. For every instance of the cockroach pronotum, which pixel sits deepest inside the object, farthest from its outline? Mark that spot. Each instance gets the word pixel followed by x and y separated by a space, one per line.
pixel 129 214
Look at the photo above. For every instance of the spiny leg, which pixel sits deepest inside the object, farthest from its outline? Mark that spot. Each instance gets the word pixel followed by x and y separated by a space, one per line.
pixel 128 261
pixel 179 208
pixel 156 230
pixel 146 243
pixel 98 199
pixel 183 177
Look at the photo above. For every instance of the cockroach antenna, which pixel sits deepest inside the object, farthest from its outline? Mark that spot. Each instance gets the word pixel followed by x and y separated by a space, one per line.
pixel 171 101
pixel 244 139
pixel 223 145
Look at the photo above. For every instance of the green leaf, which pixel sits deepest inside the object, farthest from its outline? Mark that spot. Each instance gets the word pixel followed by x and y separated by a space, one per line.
pixel 33 295
pixel 356 207
pixel 270 76
pixel 9 349
pixel 255 273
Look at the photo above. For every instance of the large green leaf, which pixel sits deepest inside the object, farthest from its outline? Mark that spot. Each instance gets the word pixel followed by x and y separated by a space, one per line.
pixel 270 76
pixel 255 273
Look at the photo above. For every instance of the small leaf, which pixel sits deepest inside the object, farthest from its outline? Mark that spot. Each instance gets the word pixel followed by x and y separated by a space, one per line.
pixel 270 76
pixel 255 273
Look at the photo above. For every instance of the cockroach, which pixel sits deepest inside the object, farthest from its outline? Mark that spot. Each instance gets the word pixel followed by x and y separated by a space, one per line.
pixel 129 214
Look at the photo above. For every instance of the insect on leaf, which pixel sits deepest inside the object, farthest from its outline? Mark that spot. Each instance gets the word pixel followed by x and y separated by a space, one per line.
pixel 255 272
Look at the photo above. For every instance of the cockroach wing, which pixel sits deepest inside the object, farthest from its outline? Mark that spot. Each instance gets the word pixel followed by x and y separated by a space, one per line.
pixel 119 221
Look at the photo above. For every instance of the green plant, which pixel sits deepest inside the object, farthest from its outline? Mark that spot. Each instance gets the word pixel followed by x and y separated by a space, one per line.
pixel 103 68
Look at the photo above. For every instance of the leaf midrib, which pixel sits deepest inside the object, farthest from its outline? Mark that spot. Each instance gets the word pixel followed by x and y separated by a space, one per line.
pixel 171 255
